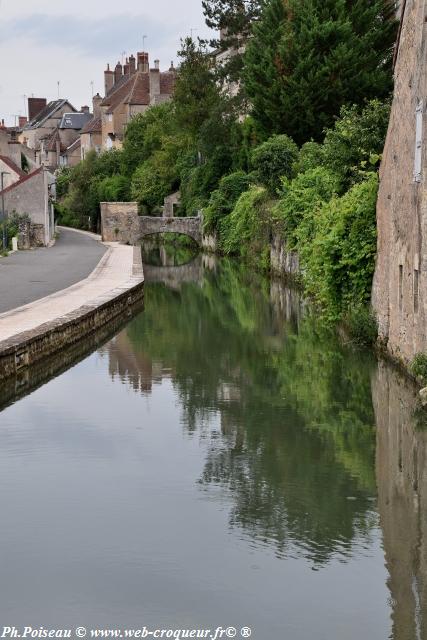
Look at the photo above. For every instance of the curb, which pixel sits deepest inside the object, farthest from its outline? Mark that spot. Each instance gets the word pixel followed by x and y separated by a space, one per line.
pixel 20 351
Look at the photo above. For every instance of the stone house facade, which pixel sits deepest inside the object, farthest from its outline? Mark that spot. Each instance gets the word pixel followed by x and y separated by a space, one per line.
pixel 131 89
pixel 33 194
pixel 91 134
pixel 45 123
pixel 400 282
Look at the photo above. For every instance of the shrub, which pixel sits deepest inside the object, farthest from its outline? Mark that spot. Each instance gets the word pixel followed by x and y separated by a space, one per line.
pixel 245 232
pixel 361 324
pixel 337 245
pixel 224 198
pixel 301 197
pixel 113 189
pixel 146 186
pixel 273 160
pixel 418 366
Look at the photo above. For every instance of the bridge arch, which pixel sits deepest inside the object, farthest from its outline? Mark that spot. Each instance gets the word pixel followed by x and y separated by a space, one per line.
pixel 120 222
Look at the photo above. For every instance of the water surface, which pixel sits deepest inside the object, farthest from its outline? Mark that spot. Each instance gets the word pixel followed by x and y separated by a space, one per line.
pixel 221 461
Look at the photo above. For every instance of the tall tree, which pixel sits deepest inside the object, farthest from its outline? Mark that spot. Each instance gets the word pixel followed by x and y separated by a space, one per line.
pixel 233 20
pixel 308 58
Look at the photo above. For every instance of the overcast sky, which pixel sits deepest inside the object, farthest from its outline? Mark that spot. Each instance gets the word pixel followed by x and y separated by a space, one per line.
pixel 71 41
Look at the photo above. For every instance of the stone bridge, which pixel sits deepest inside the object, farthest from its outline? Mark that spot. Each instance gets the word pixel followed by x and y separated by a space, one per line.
pixel 120 222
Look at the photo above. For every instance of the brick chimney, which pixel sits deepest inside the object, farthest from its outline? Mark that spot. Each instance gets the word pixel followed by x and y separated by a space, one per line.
pixel 132 64
pixel 126 68
pixel 35 106
pixel 108 79
pixel 96 101
pixel 22 121
pixel 118 72
pixel 143 62
pixel 85 109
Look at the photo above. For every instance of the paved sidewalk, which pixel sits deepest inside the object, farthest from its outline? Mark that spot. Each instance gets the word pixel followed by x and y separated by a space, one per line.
pixel 118 270
pixel 26 276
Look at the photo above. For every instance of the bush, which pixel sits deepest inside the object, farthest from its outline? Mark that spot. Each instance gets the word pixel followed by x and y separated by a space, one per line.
pixel 337 246
pixel 114 189
pixel 418 366
pixel 224 198
pixel 273 160
pixel 301 197
pixel 245 232
pixel 361 324
pixel 147 188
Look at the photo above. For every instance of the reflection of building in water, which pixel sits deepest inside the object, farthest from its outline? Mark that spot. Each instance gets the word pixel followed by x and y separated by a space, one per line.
pixel 402 491
pixel 133 366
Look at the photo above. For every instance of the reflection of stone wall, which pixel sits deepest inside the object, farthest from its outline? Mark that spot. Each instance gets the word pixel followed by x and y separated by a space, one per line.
pixel 402 499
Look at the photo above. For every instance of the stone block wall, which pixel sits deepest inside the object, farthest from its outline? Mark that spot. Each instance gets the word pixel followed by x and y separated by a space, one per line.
pixel 120 222
pixel 400 282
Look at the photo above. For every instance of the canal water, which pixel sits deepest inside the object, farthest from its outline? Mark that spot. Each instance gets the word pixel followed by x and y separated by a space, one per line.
pixel 221 461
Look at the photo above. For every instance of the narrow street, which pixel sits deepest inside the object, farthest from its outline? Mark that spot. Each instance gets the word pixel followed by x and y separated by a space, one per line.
pixel 29 275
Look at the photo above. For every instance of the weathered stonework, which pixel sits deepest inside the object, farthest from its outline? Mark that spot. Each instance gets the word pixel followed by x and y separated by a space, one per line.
pixel 283 261
pixel 120 222
pixel 400 282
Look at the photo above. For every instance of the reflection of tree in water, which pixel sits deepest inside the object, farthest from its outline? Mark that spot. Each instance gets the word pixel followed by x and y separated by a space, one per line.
pixel 296 447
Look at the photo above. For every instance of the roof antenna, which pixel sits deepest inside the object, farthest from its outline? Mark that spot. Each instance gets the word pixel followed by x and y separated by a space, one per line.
pixel 144 38
pixel 58 83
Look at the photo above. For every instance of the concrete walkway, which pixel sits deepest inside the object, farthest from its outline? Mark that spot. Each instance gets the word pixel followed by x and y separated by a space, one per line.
pixel 119 270
pixel 26 276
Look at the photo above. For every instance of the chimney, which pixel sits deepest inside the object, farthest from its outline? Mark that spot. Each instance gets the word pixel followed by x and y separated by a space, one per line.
pixel 154 85
pixel 172 68
pixel 85 109
pixel 35 106
pixel 22 121
pixel 96 101
pixel 157 64
pixel 143 62
pixel 108 79
pixel 126 68
pixel 132 65
pixel 118 72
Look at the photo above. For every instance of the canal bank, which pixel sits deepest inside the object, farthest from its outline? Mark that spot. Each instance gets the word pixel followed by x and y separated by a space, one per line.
pixel 39 329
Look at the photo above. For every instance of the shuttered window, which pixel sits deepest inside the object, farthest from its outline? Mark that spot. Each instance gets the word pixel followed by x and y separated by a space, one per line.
pixel 418 141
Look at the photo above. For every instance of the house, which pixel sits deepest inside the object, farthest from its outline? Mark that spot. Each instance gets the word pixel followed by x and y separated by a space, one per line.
pixel 131 89
pixel 53 147
pixel 400 283
pixel 45 122
pixel 91 134
pixel 32 194
pixel 72 154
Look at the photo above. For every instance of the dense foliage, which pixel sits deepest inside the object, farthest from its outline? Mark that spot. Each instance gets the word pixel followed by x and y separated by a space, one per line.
pixel 302 166
pixel 307 58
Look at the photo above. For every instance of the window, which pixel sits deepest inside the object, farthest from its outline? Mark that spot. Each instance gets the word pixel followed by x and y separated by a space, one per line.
pixel 416 290
pixel 418 141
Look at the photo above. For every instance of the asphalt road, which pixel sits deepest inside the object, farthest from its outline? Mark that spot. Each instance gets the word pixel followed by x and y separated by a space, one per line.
pixel 26 276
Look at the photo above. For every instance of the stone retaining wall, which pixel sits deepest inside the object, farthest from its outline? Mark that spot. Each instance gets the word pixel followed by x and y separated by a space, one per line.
pixel 30 347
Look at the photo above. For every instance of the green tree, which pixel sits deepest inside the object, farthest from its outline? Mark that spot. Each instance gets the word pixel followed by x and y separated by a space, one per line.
pixel 273 160
pixel 307 58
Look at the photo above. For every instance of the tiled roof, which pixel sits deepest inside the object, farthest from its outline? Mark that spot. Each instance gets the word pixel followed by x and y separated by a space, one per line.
pixel 46 113
pixel 135 89
pixel 23 179
pixel 13 166
pixel 74 120
pixel 93 126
